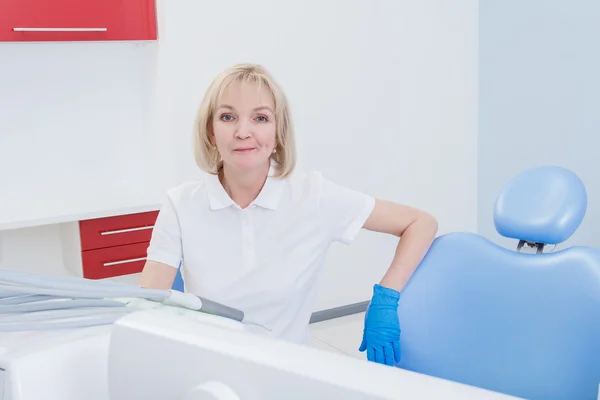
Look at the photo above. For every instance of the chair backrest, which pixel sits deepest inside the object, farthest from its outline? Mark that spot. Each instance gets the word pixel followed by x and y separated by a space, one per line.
pixel 527 325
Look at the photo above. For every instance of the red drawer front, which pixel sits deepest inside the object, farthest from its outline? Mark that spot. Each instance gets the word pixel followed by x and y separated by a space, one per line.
pixel 114 261
pixel 116 231
pixel 77 20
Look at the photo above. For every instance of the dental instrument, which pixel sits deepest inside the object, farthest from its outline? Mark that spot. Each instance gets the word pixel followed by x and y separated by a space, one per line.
pixel 23 292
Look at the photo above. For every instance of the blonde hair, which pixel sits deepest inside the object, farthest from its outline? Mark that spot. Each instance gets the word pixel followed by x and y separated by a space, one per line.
pixel 206 154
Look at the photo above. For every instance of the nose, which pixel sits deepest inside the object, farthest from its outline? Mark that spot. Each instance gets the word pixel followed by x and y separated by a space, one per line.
pixel 243 130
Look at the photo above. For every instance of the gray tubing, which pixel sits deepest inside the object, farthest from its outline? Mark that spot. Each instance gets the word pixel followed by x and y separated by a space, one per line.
pixel 64 313
pixel 157 295
pixel 75 284
pixel 34 278
pixel 83 291
pixel 18 288
pixel 50 283
pixel 59 305
pixel 25 298
pixel 100 320
pixel 4 294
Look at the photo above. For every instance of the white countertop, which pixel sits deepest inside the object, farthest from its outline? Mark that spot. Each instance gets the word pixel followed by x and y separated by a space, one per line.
pixel 24 212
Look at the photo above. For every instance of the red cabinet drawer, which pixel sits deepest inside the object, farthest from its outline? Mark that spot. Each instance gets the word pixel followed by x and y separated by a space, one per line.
pixel 77 20
pixel 114 261
pixel 116 231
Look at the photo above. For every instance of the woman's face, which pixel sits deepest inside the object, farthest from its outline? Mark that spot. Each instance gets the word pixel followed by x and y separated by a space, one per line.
pixel 244 126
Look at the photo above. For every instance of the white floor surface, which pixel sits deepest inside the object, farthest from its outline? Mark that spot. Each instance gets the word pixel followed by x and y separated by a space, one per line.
pixel 342 335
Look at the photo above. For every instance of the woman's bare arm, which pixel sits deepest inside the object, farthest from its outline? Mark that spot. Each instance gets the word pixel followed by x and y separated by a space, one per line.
pixel 157 275
pixel 417 230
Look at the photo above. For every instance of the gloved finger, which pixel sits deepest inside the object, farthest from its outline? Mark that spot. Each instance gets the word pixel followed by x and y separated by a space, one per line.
pixel 379 355
pixel 389 354
pixel 371 353
pixel 363 345
pixel 397 352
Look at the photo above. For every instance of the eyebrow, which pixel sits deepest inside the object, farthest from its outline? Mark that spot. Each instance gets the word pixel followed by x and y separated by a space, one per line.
pixel 255 109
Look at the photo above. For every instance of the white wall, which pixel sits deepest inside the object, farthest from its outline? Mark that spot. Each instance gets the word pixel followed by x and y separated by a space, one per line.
pixel 384 98
pixel 539 100
pixel 77 133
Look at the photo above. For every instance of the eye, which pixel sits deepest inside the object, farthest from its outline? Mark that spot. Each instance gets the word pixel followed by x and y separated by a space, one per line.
pixel 226 117
pixel 262 118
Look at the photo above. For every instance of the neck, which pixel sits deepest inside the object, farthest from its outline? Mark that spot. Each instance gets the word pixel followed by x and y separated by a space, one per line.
pixel 243 186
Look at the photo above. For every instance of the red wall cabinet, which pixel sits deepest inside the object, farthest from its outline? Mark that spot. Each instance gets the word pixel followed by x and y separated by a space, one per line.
pixel 108 247
pixel 77 20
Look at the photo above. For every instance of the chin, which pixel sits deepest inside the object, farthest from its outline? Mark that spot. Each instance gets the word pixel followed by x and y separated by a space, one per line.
pixel 248 163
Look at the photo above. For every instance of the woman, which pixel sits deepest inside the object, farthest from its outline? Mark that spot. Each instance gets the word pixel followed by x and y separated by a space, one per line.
pixel 253 234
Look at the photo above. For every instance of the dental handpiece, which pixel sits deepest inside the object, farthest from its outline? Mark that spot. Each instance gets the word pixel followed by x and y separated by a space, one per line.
pixel 195 302
pixel 221 310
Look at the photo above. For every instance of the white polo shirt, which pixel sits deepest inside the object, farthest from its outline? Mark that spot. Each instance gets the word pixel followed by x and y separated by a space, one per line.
pixel 266 259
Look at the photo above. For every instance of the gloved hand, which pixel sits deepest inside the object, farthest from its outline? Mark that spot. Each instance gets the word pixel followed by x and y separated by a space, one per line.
pixel 381 335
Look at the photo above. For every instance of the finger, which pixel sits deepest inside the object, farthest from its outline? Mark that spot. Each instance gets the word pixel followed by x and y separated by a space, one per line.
pixel 371 353
pixel 363 345
pixel 389 354
pixel 379 355
pixel 397 352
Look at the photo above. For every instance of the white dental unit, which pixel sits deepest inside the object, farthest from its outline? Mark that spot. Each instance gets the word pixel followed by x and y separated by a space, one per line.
pixel 163 345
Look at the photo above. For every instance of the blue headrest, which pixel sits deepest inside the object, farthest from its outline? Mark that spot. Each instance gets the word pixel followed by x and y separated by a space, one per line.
pixel 541 205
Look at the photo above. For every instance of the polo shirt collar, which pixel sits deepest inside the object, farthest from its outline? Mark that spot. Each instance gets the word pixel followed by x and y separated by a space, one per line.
pixel 268 197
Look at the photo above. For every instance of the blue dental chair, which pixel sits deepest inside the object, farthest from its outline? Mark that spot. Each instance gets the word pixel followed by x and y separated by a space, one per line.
pixel 178 283
pixel 518 323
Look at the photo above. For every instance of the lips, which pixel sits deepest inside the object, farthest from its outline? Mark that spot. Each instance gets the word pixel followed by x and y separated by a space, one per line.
pixel 244 150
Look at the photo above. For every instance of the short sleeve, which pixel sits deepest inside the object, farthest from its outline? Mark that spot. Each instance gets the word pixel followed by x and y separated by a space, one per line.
pixel 344 211
pixel 165 245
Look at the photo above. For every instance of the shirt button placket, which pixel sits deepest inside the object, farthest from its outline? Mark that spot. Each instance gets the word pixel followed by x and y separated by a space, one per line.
pixel 247 240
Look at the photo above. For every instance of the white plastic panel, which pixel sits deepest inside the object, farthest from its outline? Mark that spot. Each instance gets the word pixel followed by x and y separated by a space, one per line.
pixel 158 356
pixel 2 377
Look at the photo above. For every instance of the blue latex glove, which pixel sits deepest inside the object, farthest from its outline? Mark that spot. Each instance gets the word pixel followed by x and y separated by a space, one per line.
pixel 381 335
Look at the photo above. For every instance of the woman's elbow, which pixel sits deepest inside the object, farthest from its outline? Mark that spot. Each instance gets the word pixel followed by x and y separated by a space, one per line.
pixel 428 224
